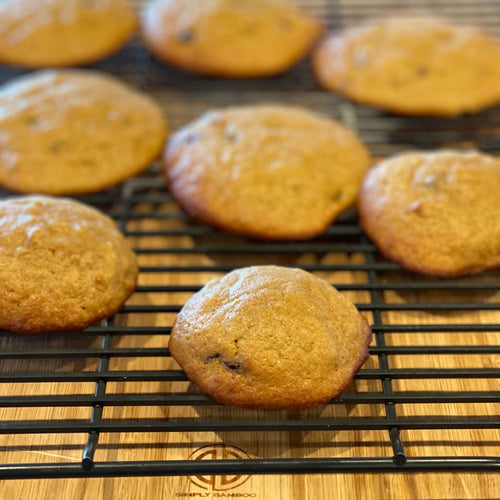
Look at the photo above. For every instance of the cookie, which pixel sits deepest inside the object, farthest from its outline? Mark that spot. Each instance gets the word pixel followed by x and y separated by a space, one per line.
pixel 229 38
pixel 36 33
pixel 63 265
pixel 268 337
pixel 435 213
pixel 72 132
pixel 270 172
pixel 412 66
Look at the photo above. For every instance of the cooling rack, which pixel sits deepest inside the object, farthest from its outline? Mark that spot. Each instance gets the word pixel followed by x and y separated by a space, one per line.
pixel 89 404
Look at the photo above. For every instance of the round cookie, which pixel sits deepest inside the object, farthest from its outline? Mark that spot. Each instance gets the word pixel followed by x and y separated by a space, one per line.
pixel 71 132
pixel 270 172
pixel 63 265
pixel 36 33
pixel 229 38
pixel 268 337
pixel 435 213
pixel 412 66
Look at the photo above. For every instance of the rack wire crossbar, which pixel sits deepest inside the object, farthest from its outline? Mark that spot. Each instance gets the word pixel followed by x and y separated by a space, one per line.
pixel 407 312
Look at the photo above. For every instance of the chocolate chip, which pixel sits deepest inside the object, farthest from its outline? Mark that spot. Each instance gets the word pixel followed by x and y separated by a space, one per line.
pixel 212 358
pixel 185 36
pixel 232 137
pixel 33 120
pixel 59 145
pixel 232 365
pixel 337 195
pixel 422 71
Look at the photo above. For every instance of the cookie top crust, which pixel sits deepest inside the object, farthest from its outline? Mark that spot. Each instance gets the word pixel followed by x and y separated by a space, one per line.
pixel 43 33
pixel 268 337
pixel 436 213
pixel 63 265
pixel 270 172
pixel 229 38
pixel 74 131
pixel 413 66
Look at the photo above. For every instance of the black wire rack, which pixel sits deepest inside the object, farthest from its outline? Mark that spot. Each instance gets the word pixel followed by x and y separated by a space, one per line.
pixel 106 387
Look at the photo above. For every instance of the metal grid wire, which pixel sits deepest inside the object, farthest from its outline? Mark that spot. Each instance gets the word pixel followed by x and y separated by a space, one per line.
pixel 169 243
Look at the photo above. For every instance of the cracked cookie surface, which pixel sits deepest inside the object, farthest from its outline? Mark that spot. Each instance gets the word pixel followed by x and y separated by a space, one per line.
pixel 42 33
pixel 414 66
pixel 435 213
pixel 229 38
pixel 75 132
pixel 268 337
pixel 271 172
pixel 63 265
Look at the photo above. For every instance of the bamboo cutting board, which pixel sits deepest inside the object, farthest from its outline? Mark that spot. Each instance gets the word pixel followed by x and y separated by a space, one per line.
pixel 149 198
pixel 113 447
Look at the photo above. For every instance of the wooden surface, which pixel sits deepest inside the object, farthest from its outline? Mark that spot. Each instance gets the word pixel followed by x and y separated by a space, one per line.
pixel 47 448
pixel 151 446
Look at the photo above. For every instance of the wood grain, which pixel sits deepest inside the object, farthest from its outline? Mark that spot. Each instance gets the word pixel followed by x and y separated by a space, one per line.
pixel 56 448
pixel 49 448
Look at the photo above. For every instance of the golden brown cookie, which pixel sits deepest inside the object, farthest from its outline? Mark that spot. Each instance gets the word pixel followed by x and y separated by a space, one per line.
pixel 229 38
pixel 69 132
pixel 271 172
pixel 435 213
pixel 268 337
pixel 40 33
pixel 412 66
pixel 63 265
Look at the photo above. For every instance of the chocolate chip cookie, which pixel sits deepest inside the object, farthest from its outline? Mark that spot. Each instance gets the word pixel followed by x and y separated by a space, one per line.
pixel 229 38
pixel 63 265
pixel 74 131
pixel 435 213
pixel 412 66
pixel 269 337
pixel 270 172
pixel 36 33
